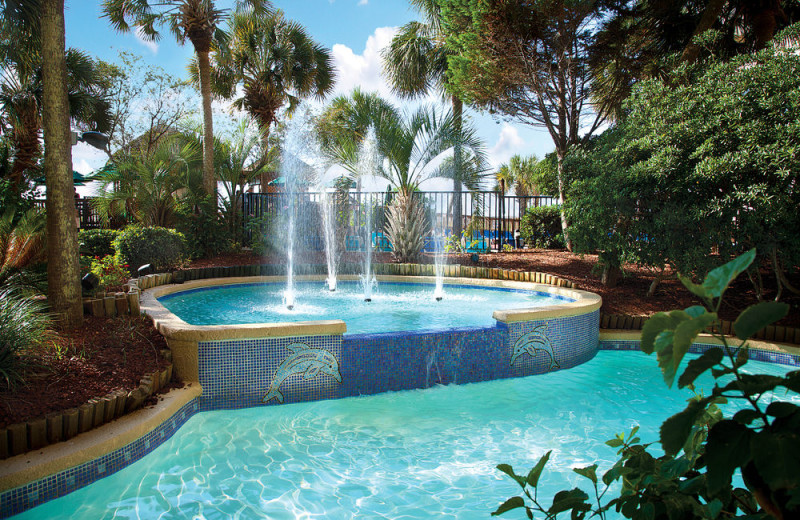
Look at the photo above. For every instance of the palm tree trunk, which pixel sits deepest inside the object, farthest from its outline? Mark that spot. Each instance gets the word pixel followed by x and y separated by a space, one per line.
pixel 63 266
pixel 209 181
pixel 266 175
pixel 458 166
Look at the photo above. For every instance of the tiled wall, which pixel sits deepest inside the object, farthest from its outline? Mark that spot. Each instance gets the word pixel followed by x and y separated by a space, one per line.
pixel 240 373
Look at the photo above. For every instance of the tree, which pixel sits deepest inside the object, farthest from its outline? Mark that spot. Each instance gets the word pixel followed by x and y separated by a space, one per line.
pixel 527 61
pixel 705 160
pixel 415 63
pixel 408 148
pixel 275 62
pixel 21 98
pixel 195 20
pixel 146 103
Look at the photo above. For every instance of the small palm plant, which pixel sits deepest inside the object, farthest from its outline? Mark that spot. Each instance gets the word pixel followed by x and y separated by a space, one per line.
pixel 412 149
pixel 22 326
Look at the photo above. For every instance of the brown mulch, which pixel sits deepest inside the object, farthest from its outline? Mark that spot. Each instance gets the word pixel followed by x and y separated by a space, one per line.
pixel 628 297
pixel 104 355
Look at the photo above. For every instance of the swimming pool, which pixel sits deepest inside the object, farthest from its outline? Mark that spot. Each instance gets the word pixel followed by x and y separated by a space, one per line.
pixel 414 454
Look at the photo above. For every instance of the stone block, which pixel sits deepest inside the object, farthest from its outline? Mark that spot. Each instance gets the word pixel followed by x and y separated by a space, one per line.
pixel 99 411
pixel 110 305
pixel 109 407
pixel 121 302
pixel 4 452
pixel 55 427
pixel 37 433
pixel 85 417
pixel 71 423
pixel 17 438
pixel 135 399
pixel 133 303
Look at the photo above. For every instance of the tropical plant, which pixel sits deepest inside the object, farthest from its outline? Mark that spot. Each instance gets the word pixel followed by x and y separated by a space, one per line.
pixel 97 242
pixel 110 270
pixel 149 187
pixel 541 227
pixel 702 447
pixel 415 62
pixel 23 325
pixel 270 62
pixel 240 162
pixel 193 20
pixel 408 149
pixel 22 245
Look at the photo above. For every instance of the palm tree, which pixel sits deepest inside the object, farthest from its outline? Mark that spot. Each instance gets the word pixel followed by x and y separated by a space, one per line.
pixel 148 187
pixel 193 20
pixel 275 62
pixel 21 101
pixel 416 62
pixel 411 147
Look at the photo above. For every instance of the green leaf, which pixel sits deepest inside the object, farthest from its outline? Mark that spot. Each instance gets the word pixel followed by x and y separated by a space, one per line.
pixel 714 508
pixel 657 323
pixel 727 448
pixel 693 486
pixel 777 457
pixel 685 334
pixel 746 416
pixel 718 279
pixel 675 430
pixel 508 505
pixel 697 366
pixel 754 384
pixel 536 471
pixel 508 470
pixel 792 381
pixel 566 500
pixel 695 311
pixel 615 443
pixel 758 316
pixel 616 471
pixel 589 472
pixel 781 409
pixel 698 290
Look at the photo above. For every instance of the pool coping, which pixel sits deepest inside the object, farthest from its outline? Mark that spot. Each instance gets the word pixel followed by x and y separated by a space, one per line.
pixel 31 467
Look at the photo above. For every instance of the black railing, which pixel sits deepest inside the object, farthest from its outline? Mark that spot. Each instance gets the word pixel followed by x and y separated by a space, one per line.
pixel 488 220
pixel 86 215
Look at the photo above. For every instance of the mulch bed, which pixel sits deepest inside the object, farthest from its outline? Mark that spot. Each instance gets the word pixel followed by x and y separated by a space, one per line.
pixel 70 368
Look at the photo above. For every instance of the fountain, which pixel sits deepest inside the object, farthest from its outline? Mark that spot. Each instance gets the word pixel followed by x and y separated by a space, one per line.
pixel 439 261
pixel 368 166
pixel 328 223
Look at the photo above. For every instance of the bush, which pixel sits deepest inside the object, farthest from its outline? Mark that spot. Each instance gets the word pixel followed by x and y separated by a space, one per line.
pixel 160 247
pixel 541 228
pixel 204 230
pixel 97 242
pixel 22 325
pixel 262 237
pixel 110 270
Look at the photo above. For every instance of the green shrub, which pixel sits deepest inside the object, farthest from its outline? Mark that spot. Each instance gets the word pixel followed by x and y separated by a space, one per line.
pixel 541 227
pixel 22 325
pixel 110 270
pixel 262 238
pixel 97 242
pixel 204 231
pixel 160 247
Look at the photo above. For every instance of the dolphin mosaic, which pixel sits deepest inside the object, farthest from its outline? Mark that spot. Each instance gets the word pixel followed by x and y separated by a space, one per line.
pixel 534 342
pixel 306 361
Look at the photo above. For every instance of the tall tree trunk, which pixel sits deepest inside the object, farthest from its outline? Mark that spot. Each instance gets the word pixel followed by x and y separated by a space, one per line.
pixel 63 266
pixel 458 165
pixel 266 175
pixel 564 223
pixel 209 180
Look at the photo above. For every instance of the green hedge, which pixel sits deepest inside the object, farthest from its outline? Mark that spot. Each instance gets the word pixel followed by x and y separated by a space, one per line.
pixel 97 242
pixel 160 247
pixel 541 228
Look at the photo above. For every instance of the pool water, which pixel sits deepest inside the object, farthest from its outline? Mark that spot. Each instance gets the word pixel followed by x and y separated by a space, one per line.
pixel 394 306
pixel 405 455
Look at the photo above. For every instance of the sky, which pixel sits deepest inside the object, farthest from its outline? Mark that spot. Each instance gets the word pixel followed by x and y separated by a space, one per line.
pixel 354 30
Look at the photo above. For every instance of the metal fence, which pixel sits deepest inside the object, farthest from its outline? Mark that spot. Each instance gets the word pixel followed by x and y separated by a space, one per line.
pixel 485 220
pixel 86 215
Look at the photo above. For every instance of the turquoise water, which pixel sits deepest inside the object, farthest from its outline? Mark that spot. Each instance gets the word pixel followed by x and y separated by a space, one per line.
pixel 394 306
pixel 407 455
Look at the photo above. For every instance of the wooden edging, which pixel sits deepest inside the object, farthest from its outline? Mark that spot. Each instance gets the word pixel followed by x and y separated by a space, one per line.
pixel 61 426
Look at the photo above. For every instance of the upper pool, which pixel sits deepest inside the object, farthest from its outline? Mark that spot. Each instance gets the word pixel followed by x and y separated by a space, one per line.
pixel 394 306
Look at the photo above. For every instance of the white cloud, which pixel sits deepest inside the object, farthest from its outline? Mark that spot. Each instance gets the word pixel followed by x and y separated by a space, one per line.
pixel 363 2
pixel 508 143
pixel 364 70
pixel 153 46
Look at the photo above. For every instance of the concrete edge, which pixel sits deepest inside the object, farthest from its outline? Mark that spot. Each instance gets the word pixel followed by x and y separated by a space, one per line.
pixel 708 339
pixel 55 458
